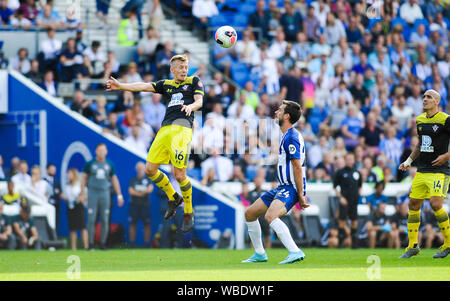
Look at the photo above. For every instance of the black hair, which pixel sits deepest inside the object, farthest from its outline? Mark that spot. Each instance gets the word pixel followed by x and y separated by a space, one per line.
pixel 293 109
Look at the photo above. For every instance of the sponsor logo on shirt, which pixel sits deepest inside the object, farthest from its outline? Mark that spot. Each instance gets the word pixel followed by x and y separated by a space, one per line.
pixel 177 100
pixel 426 144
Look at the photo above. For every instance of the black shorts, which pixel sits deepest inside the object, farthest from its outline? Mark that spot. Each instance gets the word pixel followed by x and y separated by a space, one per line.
pixel 76 217
pixel 350 211
pixel 139 212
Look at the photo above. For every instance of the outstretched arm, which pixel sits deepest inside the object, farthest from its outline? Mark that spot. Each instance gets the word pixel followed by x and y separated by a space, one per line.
pixel 113 84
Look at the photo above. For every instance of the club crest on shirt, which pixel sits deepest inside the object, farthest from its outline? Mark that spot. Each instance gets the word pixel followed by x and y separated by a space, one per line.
pixel 292 149
pixel 185 87
pixel 356 176
pixel 435 127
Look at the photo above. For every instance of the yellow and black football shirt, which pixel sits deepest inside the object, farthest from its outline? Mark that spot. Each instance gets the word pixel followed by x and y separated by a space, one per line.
pixel 176 94
pixel 434 135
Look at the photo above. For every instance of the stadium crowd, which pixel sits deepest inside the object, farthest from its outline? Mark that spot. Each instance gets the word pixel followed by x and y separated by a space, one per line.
pixel 359 78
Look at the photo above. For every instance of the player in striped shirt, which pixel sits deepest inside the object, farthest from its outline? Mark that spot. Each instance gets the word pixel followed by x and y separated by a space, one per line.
pixel 291 174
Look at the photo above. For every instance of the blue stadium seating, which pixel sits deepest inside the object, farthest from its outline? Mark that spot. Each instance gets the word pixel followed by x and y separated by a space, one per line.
pixel 219 20
pixel 239 72
pixel 406 31
pixel 424 22
pixel 240 20
pixel 195 173
pixel 247 9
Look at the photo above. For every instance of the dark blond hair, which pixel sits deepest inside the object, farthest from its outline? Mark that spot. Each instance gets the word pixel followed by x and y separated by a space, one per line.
pixel 178 57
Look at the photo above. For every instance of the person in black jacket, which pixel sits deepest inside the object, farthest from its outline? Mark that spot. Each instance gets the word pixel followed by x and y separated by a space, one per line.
pixel 55 195
pixel 350 183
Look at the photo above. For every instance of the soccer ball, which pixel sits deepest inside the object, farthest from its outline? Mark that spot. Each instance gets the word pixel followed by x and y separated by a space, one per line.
pixel 226 36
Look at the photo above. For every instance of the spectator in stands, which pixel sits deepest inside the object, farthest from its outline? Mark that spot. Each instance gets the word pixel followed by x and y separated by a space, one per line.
pixel 392 148
pixel 240 109
pixel 163 57
pixel 402 112
pixel 134 141
pixel 399 226
pixel 377 197
pixel 269 76
pixel 51 48
pixel 139 190
pixel 22 179
pixel 54 190
pixel 259 20
pixel 287 60
pixel 302 49
pixel 20 21
pixel 410 11
pixel 317 151
pixel 291 21
pixel 34 74
pixel 75 209
pixel 49 83
pixel 222 166
pixel 311 24
pixel 82 106
pixel 379 228
pixel 94 53
pixel 146 49
pixel 24 229
pixel 45 18
pixel 30 10
pixel 5 13
pixel 278 47
pixel 334 30
pixel 71 22
pixel 370 134
pixel 354 30
pixel 351 127
pixel 113 127
pixel 204 10
pixel 99 176
pixel 246 48
pixel 342 54
pixel 39 185
pixel 21 62
pixel 422 68
pixel 321 9
pixel 7 238
pixel 127 35
pixel 102 12
pixel 419 36
pixel 154 112
pixel 101 113
pixel 337 113
pixel 70 60
pixel 291 86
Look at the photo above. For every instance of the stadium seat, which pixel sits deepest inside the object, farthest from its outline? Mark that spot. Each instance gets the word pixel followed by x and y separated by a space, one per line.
pixel 217 21
pixel 406 31
pixel 239 73
pixel 240 20
pixel 250 173
pixel 247 9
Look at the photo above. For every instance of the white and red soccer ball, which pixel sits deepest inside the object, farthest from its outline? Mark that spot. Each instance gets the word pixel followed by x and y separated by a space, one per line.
pixel 226 36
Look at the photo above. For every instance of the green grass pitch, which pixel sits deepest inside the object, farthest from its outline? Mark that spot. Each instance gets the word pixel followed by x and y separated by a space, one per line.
pixel 205 264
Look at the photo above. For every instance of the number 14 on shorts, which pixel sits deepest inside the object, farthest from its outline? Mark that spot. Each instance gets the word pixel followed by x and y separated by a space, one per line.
pixel 437 185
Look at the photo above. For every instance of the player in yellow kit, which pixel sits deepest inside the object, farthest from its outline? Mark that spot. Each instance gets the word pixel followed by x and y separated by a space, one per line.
pixel 433 170
pixel 182 96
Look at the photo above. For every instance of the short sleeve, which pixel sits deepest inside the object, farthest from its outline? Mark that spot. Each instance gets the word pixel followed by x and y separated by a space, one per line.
pixel 111 165
pixel 292 148
pixel 197 86
pixel 87 167
pixel 158 86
